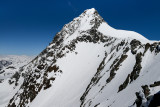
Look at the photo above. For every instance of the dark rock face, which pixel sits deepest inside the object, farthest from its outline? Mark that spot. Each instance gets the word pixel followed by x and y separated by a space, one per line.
pixel 144 97
pixel 54 68
pixel 16 76
pixel 146 90
pixel 138 100
pixel 147 46
pixel 157 83
pixel 115 67
pixel 124 85
pixel 153 46
pixel 134 44
pixel 155 102
pixel 137 67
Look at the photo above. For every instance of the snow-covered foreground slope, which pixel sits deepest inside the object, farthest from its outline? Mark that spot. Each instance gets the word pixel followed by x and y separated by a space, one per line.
pixel 90 64
pixel 10 65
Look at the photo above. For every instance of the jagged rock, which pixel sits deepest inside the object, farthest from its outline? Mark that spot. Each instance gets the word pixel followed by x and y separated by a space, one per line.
pixel 157 83
pixel 138 100
pixel 54 68
pixel 134 44
pixel 116 67
pixel 137 67
pixel 146 90
pixel 124 85
pixel 40 66
pixel 147 46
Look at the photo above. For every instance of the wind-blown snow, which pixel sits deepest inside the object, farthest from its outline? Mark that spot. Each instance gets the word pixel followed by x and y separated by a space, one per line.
pixel 109 31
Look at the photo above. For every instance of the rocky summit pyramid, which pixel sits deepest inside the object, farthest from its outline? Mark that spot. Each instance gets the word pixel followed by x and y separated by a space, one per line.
pixel 89 64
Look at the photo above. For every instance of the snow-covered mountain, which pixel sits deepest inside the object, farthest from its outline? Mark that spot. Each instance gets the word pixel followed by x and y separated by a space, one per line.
pixel 89 64
pixel 10 65
pixel 4 63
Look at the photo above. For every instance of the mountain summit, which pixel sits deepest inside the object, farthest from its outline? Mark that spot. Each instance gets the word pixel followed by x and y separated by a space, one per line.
pixel 89 64
pixel 90 18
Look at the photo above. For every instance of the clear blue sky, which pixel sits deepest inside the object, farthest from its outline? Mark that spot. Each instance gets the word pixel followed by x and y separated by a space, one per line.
pixel 27 26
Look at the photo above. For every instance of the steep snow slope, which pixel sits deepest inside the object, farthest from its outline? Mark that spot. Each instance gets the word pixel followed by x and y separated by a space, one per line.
pixel 90 64
pixel 75 77
pixel 108 93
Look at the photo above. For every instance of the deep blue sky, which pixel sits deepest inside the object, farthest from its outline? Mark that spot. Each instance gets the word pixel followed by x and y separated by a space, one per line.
pixel 27 26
